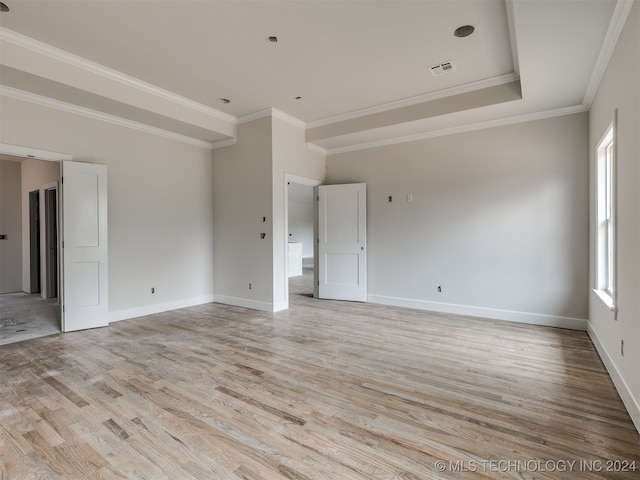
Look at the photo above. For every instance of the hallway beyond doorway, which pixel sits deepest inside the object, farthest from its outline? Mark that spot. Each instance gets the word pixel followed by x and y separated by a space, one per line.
pixel 25 316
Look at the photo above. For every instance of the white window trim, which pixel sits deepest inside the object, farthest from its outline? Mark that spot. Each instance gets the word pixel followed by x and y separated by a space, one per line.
pixel 607 292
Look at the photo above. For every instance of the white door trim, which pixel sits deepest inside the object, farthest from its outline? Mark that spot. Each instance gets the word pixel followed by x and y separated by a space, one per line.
pixel 290 178
pixel 43 235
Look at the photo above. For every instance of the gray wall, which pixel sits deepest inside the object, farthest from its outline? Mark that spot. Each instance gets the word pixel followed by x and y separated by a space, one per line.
pixel 620 89
pixel 10 225
pixel 499 219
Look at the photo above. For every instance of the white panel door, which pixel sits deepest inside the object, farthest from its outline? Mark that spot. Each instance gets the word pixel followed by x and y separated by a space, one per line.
pixel 85 301
pixel 342 242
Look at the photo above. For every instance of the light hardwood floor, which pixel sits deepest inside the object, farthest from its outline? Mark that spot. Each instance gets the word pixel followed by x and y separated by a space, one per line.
pixel 325 390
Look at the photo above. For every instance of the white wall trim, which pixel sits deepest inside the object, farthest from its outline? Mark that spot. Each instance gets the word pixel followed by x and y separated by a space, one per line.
pixel 616 25
pixel 94 114
pixel 27 152
pixel 158 308
pixel 57 54
pixel 254 116
pixel 483 312
pixel 281 305
pixel 632 404
pixel 316 148
pixel 288 118
pixel 527 117
pixel 272 112
pixel 224 143
pixel 245 302
pixel 511 22
pixel 427 97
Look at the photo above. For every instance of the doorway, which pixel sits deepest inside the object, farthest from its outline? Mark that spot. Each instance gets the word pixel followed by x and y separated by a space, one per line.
pixel 51 242
pixel 32 309
pixel 300 236
pixel 35 266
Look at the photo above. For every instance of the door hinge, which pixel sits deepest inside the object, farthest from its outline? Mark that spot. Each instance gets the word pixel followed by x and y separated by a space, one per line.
pixel 62 180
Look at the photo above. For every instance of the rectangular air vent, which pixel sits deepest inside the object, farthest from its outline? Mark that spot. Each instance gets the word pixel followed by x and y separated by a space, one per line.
pixel 442 68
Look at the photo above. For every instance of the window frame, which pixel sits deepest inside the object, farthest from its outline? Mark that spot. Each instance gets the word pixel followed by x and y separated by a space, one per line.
pixel 606 227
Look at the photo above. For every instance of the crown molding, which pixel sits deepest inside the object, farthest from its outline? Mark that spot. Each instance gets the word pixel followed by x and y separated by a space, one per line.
pixel 288 118
pixel 527 117
pixel 86 112
pixel 223 143
pixel 254 116
pixel 618 20
pixel 57 54
pixel 28 152
pixel 427 97
pixel 511 23
pixel 317 148
pixel 272 112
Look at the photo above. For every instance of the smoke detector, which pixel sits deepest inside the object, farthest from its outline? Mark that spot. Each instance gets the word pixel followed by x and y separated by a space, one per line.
pixel 442 68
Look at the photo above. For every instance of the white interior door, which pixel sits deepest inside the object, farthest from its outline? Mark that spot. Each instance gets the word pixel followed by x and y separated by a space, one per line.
pixel 85 255
pixel 342 242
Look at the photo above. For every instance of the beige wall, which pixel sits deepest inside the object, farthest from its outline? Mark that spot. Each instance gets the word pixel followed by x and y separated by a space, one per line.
pixel 160 204
pixel 620 90
pixel 499 220
pixel 10 225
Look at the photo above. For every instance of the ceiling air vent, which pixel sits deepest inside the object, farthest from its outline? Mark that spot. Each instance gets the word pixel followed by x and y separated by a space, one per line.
pixel 442 68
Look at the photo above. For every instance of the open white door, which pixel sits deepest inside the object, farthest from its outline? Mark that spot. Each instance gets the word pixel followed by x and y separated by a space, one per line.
pixel 342 242
pixel 84 235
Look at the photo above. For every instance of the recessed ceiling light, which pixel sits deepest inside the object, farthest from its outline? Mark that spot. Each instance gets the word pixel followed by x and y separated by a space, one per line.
pixel 3 7
pixel 464 31
pixel 225 100
pixel 272 39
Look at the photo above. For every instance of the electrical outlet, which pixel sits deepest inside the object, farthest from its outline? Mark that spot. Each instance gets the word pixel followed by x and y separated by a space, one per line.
pixel 390 198
pixel 622 348
pixel 153 289
pixel 249 286
pixel 439 289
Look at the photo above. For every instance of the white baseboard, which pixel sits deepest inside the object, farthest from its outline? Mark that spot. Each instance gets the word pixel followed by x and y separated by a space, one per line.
pixel 245 302
pixel 158 308
pixel 630 402
pixel 493 313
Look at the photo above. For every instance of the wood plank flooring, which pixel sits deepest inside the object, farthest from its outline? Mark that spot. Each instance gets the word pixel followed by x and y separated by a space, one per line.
pixel 325 390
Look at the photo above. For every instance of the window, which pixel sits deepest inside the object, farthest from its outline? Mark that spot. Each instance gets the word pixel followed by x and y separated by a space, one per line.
pixel 606 226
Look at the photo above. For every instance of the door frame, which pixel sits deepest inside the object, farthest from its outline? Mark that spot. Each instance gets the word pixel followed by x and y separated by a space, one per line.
pixel 290 178
pixel 48 156
pixel 45 239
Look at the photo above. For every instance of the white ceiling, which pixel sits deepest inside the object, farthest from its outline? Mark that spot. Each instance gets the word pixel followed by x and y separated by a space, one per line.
pixel 361 67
